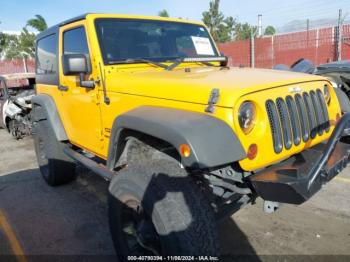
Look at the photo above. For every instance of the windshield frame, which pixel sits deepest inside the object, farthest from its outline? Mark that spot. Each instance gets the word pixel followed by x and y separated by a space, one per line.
pixel 166 59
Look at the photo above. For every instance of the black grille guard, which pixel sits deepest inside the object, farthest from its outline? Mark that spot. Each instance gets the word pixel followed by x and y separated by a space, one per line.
pixel 295 180
pixel 337 134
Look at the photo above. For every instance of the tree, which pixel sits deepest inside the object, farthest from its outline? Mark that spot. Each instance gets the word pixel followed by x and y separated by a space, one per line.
pixel 37 23
pixel 221 28
pixel 27 44
pixel 163 13
pixel 2 43
pixel 23 45
pixel 18 47
pixel 270 30
pixel 243 31
pixel 11 47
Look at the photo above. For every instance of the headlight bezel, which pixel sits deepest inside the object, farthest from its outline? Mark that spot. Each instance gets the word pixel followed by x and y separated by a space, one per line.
pixel 247 111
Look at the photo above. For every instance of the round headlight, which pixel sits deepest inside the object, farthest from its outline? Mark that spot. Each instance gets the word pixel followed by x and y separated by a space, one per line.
pixel 326 94
pixel 246 117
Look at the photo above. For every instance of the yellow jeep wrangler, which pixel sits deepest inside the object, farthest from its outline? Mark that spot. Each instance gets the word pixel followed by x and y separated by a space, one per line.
pixel 150 104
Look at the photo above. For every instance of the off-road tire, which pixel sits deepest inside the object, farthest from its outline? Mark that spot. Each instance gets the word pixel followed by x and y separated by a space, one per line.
pixel 56 168
pixel 180 213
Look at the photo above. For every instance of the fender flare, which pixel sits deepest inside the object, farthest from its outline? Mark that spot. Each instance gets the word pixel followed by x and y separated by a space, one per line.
pixel 343 99
pixel 44 108
pixel 212 141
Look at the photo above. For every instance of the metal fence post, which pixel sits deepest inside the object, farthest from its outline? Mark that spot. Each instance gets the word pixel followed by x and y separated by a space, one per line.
pixel 272 51
pixel 25 65
pixel 339 35
pixel 252 49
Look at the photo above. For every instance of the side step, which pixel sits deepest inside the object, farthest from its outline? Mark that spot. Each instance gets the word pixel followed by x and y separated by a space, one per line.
pixel 90 164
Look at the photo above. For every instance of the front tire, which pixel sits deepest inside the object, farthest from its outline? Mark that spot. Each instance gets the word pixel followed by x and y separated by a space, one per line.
pixel 157 209
pixel 56 168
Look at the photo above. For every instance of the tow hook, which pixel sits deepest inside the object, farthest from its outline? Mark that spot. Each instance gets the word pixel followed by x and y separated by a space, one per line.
pixel 271 207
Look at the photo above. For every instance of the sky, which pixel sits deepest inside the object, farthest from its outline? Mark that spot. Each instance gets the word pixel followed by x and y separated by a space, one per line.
pixel 15 13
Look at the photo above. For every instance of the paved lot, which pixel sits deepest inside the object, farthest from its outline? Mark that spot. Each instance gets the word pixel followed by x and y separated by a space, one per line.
pixel 36 219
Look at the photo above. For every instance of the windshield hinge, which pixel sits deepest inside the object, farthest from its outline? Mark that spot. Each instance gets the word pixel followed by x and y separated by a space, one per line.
pixel 103 79
pixel 213 100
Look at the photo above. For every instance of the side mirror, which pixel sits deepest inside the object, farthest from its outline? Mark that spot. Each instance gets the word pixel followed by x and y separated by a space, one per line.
pixel 76 64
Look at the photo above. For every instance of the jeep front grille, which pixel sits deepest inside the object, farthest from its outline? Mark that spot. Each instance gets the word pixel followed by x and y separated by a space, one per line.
pixel 296 119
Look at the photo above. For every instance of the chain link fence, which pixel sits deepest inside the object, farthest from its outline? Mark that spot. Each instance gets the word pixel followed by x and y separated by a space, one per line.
pixel 17 66
pixel 318 45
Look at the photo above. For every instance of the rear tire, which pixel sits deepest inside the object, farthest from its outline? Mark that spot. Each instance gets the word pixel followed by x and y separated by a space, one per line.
pixel 56 168
pixel 175 218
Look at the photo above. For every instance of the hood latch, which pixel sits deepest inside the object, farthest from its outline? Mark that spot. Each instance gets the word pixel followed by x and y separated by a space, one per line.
pixel 213 100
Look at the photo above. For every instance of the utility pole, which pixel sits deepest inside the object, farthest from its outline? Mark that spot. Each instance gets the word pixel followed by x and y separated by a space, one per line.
pixel 260 33
pixel 253 34
pixel 340 34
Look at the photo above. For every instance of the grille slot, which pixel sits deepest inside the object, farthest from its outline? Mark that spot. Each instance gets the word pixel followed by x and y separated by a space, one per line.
pixel 275 126
pixel 318 113
pixel 285 122
pixel 326 124
pixel 296 119
pixel 310 115
pixel 305 129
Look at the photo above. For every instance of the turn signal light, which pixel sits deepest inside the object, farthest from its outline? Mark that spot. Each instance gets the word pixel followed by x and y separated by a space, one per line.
pixel 337 118
pixel 252 151
pixel 185 150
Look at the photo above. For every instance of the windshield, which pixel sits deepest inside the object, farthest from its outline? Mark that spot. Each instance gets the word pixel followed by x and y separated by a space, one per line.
pixel 124 39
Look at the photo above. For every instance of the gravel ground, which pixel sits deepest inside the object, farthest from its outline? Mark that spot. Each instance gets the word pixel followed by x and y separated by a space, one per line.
pixel 72 219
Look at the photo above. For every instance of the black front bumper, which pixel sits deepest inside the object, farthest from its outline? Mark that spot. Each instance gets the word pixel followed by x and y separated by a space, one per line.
pixel 297 179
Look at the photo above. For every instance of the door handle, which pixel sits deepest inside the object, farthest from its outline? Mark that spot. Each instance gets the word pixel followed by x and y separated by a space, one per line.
pixel 63 88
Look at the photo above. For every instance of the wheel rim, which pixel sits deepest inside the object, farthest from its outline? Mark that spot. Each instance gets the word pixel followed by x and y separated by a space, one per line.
pixel 138 229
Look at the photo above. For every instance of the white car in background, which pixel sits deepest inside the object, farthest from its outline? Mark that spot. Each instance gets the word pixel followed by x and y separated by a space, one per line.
pixel 16 91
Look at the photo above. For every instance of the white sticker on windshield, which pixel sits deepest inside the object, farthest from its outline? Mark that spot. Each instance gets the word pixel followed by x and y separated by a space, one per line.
pixel 202 45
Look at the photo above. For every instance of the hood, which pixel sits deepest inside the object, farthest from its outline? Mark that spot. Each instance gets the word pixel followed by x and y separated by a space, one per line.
pixel 195 86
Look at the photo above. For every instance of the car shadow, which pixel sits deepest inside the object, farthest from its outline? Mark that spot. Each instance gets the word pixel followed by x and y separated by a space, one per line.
pixel 72 220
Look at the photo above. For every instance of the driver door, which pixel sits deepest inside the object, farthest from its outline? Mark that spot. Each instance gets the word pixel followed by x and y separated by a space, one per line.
pixel 80 106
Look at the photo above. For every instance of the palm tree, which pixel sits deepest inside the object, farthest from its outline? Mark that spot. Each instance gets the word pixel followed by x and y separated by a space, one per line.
pixel 37 23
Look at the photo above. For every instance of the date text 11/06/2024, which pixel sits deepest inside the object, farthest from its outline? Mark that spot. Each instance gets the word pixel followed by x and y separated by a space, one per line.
pixel 173 258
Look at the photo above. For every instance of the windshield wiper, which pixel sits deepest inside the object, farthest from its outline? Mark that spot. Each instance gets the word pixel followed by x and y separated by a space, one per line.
pixel 180 61
pixel 138 60
pixel 204 60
